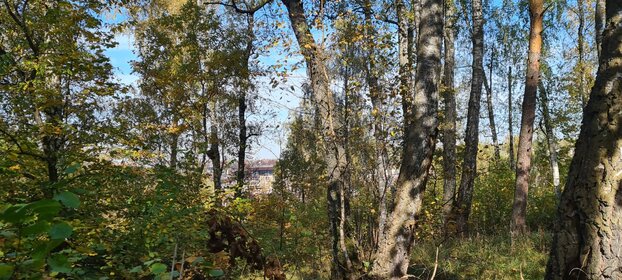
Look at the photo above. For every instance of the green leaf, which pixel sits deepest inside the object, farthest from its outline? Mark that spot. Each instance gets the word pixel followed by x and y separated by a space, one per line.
pixel 6 270
pixel 72 168
pixel 157 268
pixel 68 199
pixel 216 272
pixel 37 228
pixel 137 269
pixel 45 209
pixel 60 231
pixel 15 213
pixel 59 263
pixel 41 251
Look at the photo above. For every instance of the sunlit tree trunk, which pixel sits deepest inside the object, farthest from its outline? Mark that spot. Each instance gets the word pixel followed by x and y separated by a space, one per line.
pixel 588 233
pixel 420 129
pixel 581 52
pixel 462 204
pixel 519 208
pixel 599 25
pixel 335 157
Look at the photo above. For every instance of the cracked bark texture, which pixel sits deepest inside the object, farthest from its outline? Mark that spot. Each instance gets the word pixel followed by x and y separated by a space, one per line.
pixel 588 233
pixel 420 130
pixel 523 165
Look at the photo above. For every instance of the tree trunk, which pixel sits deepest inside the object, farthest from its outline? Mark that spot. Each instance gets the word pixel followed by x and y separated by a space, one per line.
pixel 462 205
pixel 588 232
pixel 214 150
pixel 510 123
pixel 519 208
pixel 581 52
pixel 377 97
pixel 420 129
pixel 599 24
pixel 449 99
pixel 491 111
pixel 174 148
pixel 242 133
pixel 174 137
pixel 320 85
pixel 550 137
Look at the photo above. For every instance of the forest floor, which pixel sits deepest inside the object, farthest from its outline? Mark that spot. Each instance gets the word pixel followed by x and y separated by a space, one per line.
pixel 479 257
pixel 483 257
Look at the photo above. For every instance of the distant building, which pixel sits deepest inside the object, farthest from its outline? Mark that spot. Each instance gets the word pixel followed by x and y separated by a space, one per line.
pixel 260 176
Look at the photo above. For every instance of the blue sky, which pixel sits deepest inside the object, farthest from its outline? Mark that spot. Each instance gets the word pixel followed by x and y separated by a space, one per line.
pixel 282 100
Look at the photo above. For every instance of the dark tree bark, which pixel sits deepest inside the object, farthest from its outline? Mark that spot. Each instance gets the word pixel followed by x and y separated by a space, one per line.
pixel 519 208
pixel 449 99
pixel 242 106
pixel 462 205
pixel 420 129
pixel 588 232
pixel 328 123
pixel 510 120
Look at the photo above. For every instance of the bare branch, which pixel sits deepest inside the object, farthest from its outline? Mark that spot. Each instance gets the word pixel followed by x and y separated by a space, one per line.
pixel 234 6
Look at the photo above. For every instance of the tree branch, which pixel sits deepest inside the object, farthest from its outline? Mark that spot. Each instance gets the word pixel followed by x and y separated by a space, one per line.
pixel 237 9
pixel 22 25
pixel 21 149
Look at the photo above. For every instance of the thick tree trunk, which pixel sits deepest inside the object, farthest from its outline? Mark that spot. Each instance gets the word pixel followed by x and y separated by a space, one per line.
pixel 491 110
pixel 329 123
pixel 519 208
pixel 550 137
pixel 588 232
pixel 449 99
pixel 420 129
pixel 510 122
pixel 462 205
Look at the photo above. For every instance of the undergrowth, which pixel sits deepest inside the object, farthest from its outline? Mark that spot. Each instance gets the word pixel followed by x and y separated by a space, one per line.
pixel 482 257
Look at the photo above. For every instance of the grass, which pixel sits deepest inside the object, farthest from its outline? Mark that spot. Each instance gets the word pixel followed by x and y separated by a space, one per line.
pixel 482 257
pixel 479 257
